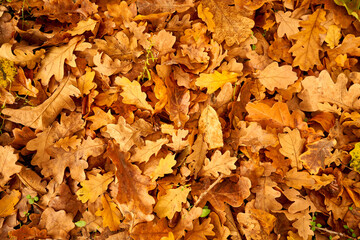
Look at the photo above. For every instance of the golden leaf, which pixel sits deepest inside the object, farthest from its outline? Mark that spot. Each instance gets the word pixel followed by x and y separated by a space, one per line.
pixel 100 118
pixel 288 26
pixel 43 115
pixel 307 47
pixel 23 55
pixel 171 202
pixel 132 93
pixel 111 214
pixel 83 26
pixel 164 167
pixel 144 153
pixel 333 36
pixel 94 187
pixel 8 202
pixel 86 82
pixel 53 63
pixel 8 165
pixel 207 17
pixel 215 80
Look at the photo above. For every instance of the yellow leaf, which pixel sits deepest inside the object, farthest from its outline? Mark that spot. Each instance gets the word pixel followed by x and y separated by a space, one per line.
pixel 274 76
pixel 171 202
pixel 215 80
pixel 164 167
pixel 333 36
pixel 8 165
pixel 132 93
pixel 160 92
pixel 100 118
pixel 53 63
pixel 94 187
pixel 44 114
pixel 207 17
pixel 111 214
pixel 85 83
pixel 307 47
pixel 83 26
pixel 230 24
pixel 210 126
pixel 8 202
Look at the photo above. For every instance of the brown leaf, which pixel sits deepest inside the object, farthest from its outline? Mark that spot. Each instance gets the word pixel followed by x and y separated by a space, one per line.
pixel 8 165
pixel 58 224
pixel 151 230
pixel 200 231
pixel 210 126
pixel 8 202
pixel 266 195
pixel 44 114
pixel 133 187
pixel 110 213
pixel 26 232
pixel 314 158
pixel 227 191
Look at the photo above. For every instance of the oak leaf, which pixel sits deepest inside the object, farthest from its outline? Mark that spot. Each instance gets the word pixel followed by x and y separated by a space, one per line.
pixel 274 76
pixel 288 26
pixel 200 231
pixel 300 202
pixel 314 158
pixel 216 80
pixel 8 202
pixel 277 116
pixel 44 140
pixel 144 153
pixel 43 115
pixel 8 165
pixel 68 143
pixel 163 41
pixel 23 55
pixel 83 26
pixel 106 66
pixel 164 167
pixel 333 36
pixel 178 104
pixel 124 134
pixel 220 163
pixel 349 46
pixel 171 202
pixel 86 82
pixel 197 157
pixel 57 223
pixel 230 25
pixel 252 135
pixel 307 47
pixel 292 146
pixel 302 223
pixel 319 92
pixel 151 230
pixel 94 186
pixel 228 191
pixel 210 126
pixel 111 214
pixel 133 186
pixel 207 17
pixel 132 93
pixel 100 118
pixel 26 232
pixel 221 231
pixel 146 7
pixel 53 63
pixel 76 159
pixel 297 180
pixel 266 195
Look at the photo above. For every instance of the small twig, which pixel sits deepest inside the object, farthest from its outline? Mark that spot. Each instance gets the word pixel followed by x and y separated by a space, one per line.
pixel 336 233
pixel 203 194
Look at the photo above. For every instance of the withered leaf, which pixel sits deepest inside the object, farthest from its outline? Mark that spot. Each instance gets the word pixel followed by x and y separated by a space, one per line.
pixel 44 114
pixel 8 165
pixel 133 186
pixel 229 24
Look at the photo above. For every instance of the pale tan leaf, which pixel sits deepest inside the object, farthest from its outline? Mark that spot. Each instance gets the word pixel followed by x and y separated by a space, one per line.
pixel 210 126
pixel 291 146
pixel 8 165
pixel 220 163
pixel 83 26
pixel 144 153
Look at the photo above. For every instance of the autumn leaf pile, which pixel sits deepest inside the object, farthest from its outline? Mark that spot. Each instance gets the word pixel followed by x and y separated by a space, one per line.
pixel 179 119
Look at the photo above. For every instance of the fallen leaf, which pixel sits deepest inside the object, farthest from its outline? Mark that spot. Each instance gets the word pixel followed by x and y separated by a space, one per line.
pixel 8 202
pixel 95 186
pixel 215 80
pixel 292 146
pixel 210 126
pixel 220 163
pixel 171 202
pixel 57 223
pixel 8 164
pixel 44 114
pixel 110 213
pixel 164 167
pixel 288 26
